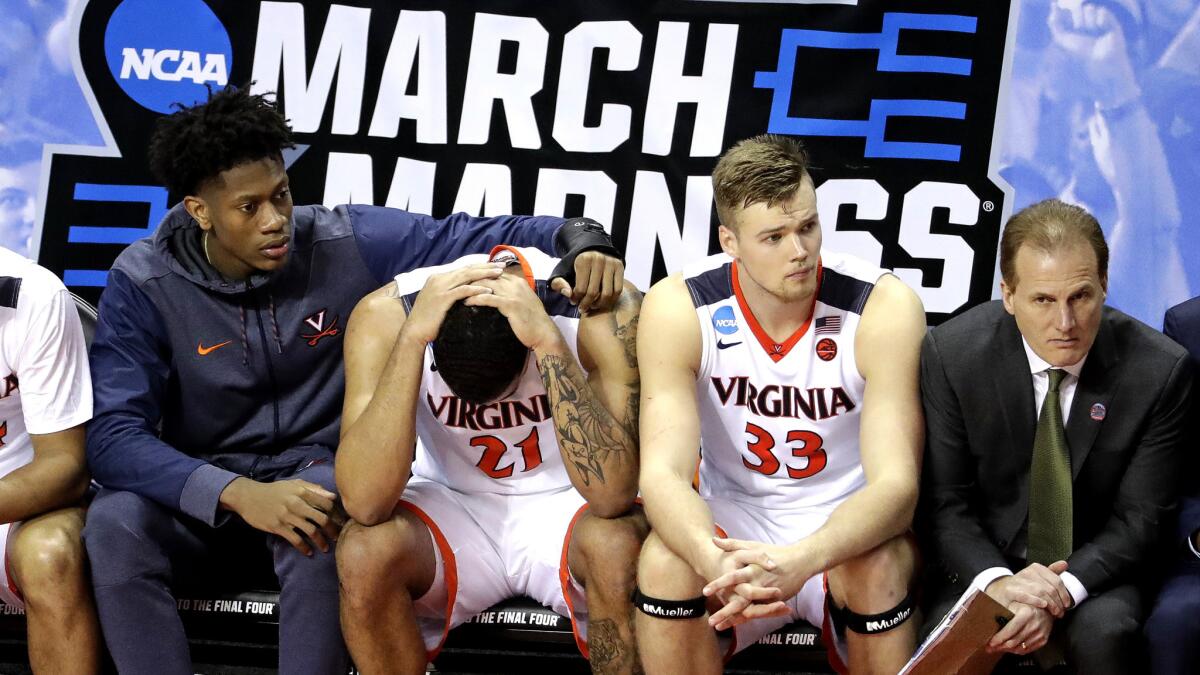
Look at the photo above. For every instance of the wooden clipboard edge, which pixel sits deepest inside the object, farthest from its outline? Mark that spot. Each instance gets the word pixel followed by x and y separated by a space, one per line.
pixel 959 648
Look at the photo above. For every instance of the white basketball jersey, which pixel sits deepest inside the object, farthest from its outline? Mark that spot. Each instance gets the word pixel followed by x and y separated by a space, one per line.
pixel 506 446
pixel 779 422
pixel 45 385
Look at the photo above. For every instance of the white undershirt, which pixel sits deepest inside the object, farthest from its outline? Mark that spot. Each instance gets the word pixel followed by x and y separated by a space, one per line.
pixel 1041 382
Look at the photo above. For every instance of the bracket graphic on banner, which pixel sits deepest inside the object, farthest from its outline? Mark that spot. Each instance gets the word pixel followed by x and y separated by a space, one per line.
pixel 153 196
pixel 874 128
pixel 613 110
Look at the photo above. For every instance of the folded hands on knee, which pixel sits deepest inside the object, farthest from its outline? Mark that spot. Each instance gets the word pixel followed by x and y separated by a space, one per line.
pixel 753 580
pixel 1037 597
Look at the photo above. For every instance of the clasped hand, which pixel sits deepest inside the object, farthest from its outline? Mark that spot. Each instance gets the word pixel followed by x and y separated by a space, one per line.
pixel 1037 597
pixel 753 580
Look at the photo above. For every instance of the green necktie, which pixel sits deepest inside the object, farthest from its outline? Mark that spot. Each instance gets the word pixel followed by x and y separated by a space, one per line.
pixel 1050 482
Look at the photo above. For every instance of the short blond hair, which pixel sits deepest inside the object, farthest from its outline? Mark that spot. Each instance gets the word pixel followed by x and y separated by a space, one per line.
pixel 1050 226
pixel 766 168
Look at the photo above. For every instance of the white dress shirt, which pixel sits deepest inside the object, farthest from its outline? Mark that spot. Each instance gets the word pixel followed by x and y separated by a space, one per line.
pixel 1066 393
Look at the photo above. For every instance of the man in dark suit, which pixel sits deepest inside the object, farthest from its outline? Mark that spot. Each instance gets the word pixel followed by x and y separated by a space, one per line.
pixel 1173 629
pixel 1054 431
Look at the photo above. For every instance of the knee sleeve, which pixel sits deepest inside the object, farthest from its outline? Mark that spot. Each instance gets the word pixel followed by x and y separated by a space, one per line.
pixel 871 624
pixel 669 609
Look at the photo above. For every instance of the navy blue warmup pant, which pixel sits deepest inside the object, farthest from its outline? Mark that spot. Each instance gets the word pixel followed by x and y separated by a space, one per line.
pixel 141 551
pixel 1173 629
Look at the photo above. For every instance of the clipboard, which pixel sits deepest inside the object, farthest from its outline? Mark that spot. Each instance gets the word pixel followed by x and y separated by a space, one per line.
pixel 957 644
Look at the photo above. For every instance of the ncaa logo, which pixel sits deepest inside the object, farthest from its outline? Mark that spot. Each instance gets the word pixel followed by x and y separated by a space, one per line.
pixel 724 321
pixel 167 51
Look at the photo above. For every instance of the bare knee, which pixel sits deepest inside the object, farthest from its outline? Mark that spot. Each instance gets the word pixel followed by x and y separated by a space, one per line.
pixel 395 552
pixel 877 580
pixel 604 551
pixel 48 558
pixel 663 574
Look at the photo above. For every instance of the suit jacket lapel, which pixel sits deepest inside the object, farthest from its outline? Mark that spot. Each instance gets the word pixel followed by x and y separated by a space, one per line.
pixel 1098 384
pixel 1014 385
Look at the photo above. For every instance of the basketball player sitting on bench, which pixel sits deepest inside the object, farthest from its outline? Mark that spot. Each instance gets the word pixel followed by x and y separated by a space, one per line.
pixel 45 398
pixel 796 370
pixel 517 441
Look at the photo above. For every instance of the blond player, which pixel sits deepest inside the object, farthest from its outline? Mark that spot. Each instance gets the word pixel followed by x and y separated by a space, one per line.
pixel 790 374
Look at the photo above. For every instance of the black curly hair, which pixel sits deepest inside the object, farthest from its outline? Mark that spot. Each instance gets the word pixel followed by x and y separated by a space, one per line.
pixel 231 128
pixel 477 354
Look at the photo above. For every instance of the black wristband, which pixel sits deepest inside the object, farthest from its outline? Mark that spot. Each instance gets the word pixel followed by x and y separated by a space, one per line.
pixel 575 236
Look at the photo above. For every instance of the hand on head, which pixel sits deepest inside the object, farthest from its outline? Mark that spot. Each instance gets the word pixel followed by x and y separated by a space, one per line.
pixel 512 296
pixel 440 292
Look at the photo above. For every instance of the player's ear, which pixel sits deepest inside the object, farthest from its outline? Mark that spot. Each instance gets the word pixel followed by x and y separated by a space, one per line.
pixel 197 208
pixel 728 240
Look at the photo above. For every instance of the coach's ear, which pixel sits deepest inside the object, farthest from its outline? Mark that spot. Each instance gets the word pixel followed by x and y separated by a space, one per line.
pixel 1006 294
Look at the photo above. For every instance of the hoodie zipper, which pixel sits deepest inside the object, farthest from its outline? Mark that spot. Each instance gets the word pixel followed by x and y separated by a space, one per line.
pixel 262 333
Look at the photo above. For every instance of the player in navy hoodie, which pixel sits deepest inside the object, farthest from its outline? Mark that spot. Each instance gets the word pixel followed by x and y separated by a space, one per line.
pixel 217 372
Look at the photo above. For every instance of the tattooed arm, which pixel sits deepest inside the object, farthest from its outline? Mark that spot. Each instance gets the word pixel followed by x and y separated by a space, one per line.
pixel 596 416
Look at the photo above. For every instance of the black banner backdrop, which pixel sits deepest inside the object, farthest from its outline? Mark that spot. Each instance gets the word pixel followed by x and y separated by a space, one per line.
pixel 616 110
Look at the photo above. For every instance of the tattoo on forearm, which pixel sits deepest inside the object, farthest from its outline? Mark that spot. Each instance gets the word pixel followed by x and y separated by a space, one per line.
pixel 626 332
pixel 633 404
pixel 590 436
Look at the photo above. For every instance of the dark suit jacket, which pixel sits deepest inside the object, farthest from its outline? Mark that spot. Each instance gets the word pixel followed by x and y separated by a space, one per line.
pixel 980 423
pixel 1182 324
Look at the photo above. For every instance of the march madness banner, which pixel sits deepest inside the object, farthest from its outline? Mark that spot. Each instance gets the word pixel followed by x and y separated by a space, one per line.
pixel 616 110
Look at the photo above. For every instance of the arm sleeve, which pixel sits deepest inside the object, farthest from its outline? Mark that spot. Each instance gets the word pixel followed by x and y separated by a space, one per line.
pixel 52 365
pixel 949 477
pixel 130 369
pixel 392 241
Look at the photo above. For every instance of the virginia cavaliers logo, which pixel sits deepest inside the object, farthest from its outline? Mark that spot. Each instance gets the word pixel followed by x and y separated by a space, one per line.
pixel 10 385
pixel 317 321
pixel 826 349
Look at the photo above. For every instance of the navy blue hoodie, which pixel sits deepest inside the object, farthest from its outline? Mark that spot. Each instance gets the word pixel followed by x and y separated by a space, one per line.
pixel 249 367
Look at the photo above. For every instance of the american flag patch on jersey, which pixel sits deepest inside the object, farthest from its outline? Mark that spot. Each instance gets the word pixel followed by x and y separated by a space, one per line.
pixel 828 325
